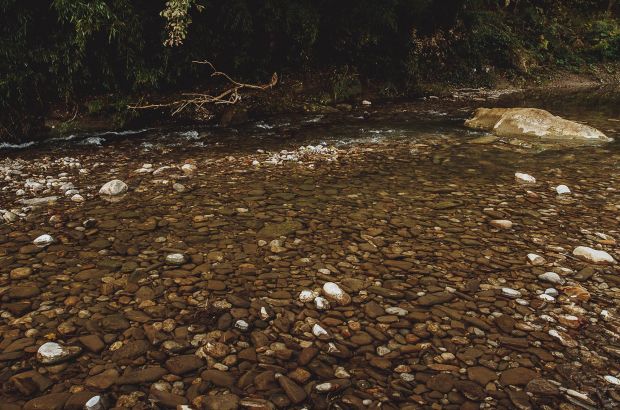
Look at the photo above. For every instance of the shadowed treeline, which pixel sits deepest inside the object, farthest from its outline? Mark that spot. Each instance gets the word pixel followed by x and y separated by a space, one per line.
pixel 66 50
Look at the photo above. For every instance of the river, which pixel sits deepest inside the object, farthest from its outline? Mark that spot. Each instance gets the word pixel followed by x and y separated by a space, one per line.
pixel 187 289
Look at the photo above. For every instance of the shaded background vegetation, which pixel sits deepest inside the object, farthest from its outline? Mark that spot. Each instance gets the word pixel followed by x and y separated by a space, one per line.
pixel 63 51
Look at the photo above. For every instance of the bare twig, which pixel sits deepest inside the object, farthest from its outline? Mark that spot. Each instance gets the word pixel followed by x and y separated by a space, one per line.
pixel 229 96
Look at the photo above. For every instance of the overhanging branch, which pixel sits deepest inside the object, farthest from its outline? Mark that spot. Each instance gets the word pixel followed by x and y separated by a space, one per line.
pixel 230 95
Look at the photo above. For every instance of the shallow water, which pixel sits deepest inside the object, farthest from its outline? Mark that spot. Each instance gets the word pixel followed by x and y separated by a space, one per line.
pixel 395 208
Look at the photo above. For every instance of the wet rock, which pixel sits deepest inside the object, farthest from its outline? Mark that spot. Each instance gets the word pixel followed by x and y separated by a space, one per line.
pixel 542 387
pixel 20 273
pixel 470 389
pixel 293 391
pixel 435 298
pixel 30 382
pixel 102 380
pixel 175 259
pixel 180 365
pixel 275 230
pixel 85 400
pixel 552 277
pixel 52 401
pixel 501 223
pixel 221 402
pixel 51 353
pixel 518 376
pixel 113 188
pixel 593 255
pixel 481 375
pixel 43 241
pixel 442 382
pixel 131 350
pixel 92 343
pixel 524 178
pixel 149 374
pixel 335 293
pixel 218 377
pixel 531 122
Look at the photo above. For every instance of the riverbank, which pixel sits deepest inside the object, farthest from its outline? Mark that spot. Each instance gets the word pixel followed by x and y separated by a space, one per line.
pixel 295 94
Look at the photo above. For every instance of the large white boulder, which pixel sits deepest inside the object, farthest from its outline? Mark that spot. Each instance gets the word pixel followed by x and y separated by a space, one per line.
pixel 531 122
pixel 593 255
pixel 113 188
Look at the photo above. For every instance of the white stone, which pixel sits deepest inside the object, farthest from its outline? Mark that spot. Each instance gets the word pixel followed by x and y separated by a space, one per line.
pixel 394 310
pixel 383 350
pixel 113 188
pixel 306 296
pixel 593 255
pixel 189 169
pixel 511 293
pixel 546 297
pixel 552 292
pixel 552 277
pixel 563 338
pixel 318 331
pixel 612 380
pixel 321 303
pixel 531 123
pixel 52 353
pixel 334 292
pixel 94 403
pixel 501 223
pixel 341 373
pixel 366 102
pixel 525 178
pixel 562 189
pixel 325 387
pixel 535 260
pixel 43 240
pixel 242 325
pixel 175 259
pixel 77 198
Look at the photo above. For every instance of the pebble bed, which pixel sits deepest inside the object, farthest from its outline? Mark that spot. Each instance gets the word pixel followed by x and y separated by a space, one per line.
pixel 395 275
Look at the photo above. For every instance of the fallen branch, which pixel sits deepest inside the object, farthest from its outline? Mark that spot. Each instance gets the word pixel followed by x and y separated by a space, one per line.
pixel 229 96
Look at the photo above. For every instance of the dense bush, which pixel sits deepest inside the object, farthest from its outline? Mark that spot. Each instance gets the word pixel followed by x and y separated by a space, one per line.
pixel 66 50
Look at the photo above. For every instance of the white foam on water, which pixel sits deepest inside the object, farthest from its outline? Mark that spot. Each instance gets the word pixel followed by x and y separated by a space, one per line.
pixel 93 141
pixel 7 145
pixel 190 135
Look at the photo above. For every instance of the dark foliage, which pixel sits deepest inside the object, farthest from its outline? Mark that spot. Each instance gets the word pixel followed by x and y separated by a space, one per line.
pixel 65 50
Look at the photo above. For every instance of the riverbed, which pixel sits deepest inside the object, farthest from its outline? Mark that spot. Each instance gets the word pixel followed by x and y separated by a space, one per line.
pixel 186 290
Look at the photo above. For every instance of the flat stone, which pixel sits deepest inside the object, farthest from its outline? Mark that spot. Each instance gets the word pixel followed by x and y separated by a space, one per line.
pixel 542 387
pixel 102 380
pixel 435 298
pixel 92 343
pixel 442 382
pixel 221 402
pixel 275 230
pixel 52 401
pixel 293 391
pixel 218 377
pixel 481 375
pixel 518 376
pixel 149 374
pixel 184 364
pixel 131 350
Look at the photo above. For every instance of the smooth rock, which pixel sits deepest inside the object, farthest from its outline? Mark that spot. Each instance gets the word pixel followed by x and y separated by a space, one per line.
pixel 593 255
pixel 51 353
pixel 113 188
pixel 531 122
pixel 43 241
